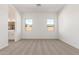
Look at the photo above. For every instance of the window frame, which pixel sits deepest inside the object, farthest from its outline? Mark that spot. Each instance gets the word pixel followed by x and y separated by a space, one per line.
pixel 51 27
pixel 28 25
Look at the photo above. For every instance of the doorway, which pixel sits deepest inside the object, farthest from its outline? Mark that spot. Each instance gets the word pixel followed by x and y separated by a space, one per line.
pixel 11 30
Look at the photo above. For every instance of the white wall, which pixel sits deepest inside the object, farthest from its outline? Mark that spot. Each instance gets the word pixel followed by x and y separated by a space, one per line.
pixel 3 26
pixel 14 14
pixel 18 26
pixel 39 28
pixel 69 25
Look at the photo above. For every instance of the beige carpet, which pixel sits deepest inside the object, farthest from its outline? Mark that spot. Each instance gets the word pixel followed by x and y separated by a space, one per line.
pixel 39 47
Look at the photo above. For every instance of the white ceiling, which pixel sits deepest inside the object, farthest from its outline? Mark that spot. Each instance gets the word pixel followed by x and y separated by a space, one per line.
pixel 23 8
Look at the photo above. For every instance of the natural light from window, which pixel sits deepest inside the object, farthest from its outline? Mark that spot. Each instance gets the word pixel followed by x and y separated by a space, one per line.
pixel 50 25
pixel 28 25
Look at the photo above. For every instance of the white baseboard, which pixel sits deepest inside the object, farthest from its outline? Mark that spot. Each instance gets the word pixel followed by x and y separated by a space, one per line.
pixel 3 46
pixel 70 44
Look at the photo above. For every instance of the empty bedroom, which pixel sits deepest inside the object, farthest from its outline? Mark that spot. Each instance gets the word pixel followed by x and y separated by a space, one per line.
pixel 39 29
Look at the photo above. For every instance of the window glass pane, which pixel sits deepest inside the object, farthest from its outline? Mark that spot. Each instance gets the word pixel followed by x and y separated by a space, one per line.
pixel 50 25
pixel 50 21
pixel 29 21
pixel 28 25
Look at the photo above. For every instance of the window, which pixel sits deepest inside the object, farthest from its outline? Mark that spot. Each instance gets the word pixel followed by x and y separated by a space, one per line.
pixel 50 25
pixel 28 25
